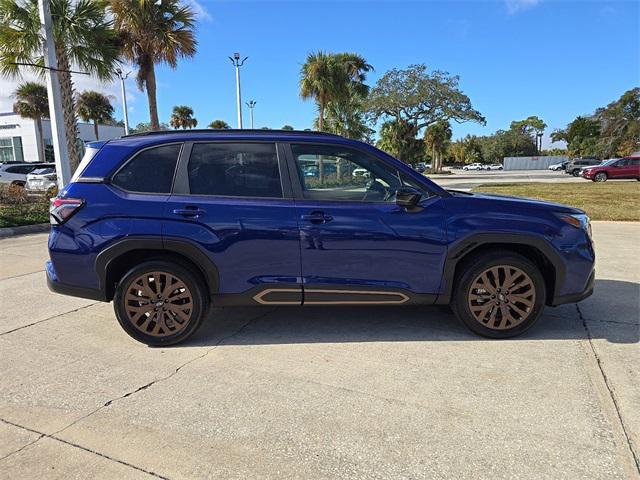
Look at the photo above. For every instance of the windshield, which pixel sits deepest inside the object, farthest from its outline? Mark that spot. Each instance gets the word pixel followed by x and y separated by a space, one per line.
pixel 43 171
pixel 610 161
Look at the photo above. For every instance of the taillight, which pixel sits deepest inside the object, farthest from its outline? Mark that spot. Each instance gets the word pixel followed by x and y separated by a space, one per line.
pixel 62 209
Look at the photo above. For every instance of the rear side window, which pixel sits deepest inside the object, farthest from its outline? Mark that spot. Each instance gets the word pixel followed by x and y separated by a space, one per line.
pixel 21 169
pixel 151 171
pixel 234 170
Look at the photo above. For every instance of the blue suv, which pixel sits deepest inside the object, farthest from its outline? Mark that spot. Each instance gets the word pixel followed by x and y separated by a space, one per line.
pixel 167 224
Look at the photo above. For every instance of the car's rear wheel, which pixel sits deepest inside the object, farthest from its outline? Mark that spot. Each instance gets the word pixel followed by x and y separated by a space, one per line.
pixel 600 177
pixel 499 295
pixel 160 303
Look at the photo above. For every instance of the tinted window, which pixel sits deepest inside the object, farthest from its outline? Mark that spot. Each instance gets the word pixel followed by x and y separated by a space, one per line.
pixel 151 171
pixel 234 170
pixel 635 161
pixel 330 172
pixel 23 169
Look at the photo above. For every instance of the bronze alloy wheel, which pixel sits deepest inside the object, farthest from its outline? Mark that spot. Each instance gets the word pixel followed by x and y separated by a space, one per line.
pixel 502 297
pixel 158 304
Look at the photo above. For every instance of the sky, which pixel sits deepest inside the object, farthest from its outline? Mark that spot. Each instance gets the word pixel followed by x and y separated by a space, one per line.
pixel 515 58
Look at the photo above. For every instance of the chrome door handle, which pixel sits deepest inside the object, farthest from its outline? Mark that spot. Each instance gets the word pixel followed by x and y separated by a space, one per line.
pixel 316 217
pixel 189 212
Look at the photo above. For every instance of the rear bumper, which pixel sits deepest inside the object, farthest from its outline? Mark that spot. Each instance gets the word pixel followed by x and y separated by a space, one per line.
pixel 576 297
pixel 56 286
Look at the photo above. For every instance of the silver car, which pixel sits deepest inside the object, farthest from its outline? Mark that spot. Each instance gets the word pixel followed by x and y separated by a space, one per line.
pixel 41 180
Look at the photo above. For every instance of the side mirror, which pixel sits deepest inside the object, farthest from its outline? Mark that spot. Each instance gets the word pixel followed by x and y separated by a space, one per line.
pixel 408 197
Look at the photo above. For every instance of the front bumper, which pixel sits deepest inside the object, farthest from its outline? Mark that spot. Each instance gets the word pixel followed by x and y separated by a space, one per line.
pixel 577 297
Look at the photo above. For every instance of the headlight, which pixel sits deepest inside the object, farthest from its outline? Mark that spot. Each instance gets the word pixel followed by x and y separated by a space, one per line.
pixel 579 220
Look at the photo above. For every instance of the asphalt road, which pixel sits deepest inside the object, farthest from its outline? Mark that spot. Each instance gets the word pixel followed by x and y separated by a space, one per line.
pixel 320 392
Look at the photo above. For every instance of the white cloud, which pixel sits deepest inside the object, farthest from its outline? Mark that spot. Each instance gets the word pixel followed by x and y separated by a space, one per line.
pixel 515 6
pixel 81 83
pixel 199 10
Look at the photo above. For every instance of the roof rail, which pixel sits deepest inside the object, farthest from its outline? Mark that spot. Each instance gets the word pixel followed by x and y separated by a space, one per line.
pixel 232 131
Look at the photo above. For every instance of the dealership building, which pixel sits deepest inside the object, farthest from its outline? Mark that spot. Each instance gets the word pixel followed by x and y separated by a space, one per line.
pixel 19 137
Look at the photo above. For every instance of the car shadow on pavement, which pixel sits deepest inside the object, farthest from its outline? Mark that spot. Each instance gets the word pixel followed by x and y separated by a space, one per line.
pixel 611 313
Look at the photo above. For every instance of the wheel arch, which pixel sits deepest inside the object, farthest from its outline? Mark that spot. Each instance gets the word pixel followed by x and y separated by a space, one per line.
pixel 533 248
pixel 114 262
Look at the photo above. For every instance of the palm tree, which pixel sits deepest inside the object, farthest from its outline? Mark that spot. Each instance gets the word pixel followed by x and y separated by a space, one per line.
pixel 219 124
pixel 153 32
pixel 83 36
pixel 32 102
pixel 318 81
pixel 96 107
pixel 182 117
pixel 438 136
pixel 327 77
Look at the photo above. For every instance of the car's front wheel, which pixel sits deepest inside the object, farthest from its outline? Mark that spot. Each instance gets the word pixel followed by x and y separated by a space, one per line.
pixel 576 173
pixel 160 303
pixel 499 295
pixel 600 177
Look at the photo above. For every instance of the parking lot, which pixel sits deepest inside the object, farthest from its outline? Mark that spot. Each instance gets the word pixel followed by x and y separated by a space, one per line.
pixel 321 392
pixel 466 180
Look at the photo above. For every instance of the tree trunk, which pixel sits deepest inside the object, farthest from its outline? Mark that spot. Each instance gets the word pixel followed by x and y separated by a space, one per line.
pixel 68 108
pixel 95 128
pixel 42 155
pixel 151 96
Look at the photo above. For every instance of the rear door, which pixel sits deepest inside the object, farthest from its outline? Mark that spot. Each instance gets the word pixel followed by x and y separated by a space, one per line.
pixel 233 200
pixel 357 245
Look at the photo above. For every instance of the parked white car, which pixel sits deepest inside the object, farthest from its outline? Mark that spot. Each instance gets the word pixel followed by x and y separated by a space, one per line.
pixel 41 180
pixel 557 166
pixel 361 173
pixel 494 166
pixel 473 166
pixel 16 173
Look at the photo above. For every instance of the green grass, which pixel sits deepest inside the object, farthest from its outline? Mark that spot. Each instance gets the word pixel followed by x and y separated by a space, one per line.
pixel 618 201
pixel 23 214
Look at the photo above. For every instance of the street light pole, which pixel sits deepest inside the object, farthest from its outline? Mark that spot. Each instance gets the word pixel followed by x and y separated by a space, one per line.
pixel 238 63
pixel 251 104
pixel 124 99
pixel 60 151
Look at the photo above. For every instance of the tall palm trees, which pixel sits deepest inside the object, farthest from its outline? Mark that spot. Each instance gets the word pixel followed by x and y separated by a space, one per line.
pixel 83 36
pixel 32 102
pixel 437 137
pixel 95 107
pixel 182 117
pixel 153 31
pixel 336 78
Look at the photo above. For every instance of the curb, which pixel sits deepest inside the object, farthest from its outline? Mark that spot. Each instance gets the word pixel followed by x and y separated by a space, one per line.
pixel 24 230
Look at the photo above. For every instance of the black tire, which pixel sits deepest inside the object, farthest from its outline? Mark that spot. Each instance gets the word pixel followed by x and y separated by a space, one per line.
pixel 600 177
pixel 191 288
pixel 575 173
pixel 463 295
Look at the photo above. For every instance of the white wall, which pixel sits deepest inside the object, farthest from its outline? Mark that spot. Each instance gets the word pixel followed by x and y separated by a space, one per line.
pixel 12 125
pixel 85 132
pixel 15 126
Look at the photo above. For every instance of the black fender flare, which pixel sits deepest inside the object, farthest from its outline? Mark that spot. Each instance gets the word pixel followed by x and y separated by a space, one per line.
pixel 475 241
pixel 185 248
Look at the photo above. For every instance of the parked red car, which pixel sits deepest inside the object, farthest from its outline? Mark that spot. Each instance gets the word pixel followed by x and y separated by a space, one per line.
pixel 628 167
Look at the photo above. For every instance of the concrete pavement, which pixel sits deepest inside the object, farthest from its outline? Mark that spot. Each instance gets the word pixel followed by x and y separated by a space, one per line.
pixel 320 392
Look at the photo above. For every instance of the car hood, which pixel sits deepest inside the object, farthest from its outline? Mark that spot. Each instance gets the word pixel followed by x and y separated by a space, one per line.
pixel 523 202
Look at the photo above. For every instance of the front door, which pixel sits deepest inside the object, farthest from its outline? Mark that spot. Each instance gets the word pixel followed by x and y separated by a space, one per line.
pixel 232 199
pixel 357 245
